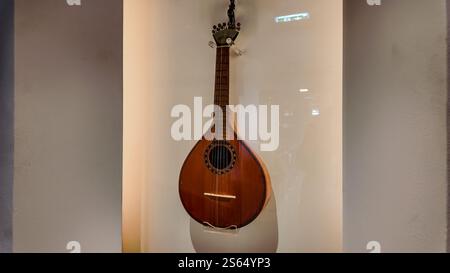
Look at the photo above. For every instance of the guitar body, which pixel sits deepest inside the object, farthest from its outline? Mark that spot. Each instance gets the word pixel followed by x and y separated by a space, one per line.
pixel 223 184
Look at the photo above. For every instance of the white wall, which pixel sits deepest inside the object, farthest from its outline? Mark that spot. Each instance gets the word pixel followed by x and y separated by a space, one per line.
pixel 168 62
pixel 68 126
pixel 395 125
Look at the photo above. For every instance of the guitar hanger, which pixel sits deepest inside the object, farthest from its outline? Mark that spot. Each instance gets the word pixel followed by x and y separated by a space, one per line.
pixel 231 15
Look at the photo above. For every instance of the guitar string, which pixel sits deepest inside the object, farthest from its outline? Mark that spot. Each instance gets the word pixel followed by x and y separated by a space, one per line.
pixel 215 130
pixel 222 82
pixel 223 86
pixel 218 130
pixel 222 125
pixel 219 153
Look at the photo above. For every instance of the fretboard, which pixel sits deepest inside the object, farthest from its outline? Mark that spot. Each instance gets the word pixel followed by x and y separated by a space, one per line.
pixel 222 85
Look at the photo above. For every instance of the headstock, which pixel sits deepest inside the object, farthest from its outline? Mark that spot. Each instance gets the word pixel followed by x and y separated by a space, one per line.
pixel 225 34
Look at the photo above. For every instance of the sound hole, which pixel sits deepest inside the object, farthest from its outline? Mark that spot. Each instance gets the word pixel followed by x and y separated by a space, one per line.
pixel 220 157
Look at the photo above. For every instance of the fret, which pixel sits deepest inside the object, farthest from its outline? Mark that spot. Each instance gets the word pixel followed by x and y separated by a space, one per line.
pixel 222 98
pixel 222 86
pixel 222 80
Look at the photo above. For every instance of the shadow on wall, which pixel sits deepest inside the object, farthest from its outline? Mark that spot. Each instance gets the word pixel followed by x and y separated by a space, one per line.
pixel 260 236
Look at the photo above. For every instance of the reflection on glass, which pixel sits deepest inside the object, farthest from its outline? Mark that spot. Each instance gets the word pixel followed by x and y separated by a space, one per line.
pixel 292 17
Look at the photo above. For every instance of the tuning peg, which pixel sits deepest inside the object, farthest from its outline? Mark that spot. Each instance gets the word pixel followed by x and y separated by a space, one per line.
pixel 214 27
pixel 212 44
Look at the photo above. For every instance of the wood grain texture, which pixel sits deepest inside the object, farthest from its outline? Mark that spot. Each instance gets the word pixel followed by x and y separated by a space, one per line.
pixel 248 181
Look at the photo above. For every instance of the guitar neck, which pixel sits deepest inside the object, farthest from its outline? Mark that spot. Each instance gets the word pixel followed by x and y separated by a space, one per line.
pixel 222 83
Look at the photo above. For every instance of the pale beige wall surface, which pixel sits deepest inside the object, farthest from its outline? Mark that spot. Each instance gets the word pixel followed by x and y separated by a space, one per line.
pixel 168 62
pixel 395 181
pixel 68 126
